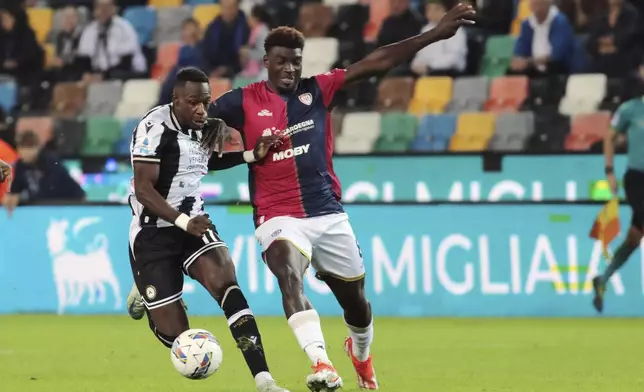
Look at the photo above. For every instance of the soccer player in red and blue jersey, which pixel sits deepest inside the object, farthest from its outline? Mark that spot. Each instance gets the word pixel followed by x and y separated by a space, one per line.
pixel 296 195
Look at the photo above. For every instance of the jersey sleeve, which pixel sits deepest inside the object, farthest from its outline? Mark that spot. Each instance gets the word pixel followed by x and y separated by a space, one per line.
pixel 621 119
pixel 147 142
pixel 330 83
pixel 230 108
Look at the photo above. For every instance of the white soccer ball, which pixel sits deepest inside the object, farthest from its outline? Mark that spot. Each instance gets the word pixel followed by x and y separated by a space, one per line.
pixel 196 354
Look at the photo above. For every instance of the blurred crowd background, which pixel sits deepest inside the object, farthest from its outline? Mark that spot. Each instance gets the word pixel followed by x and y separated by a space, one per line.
pixel 532 76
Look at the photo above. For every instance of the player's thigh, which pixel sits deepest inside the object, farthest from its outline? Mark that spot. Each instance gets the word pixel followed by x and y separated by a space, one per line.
pixel 286 248
pixel 337 253
pixel 634 190
pixel 155 256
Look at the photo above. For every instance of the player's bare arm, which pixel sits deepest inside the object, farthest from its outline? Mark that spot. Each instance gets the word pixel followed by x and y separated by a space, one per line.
pixel 5 172
pixel 385 58
pixel 145 178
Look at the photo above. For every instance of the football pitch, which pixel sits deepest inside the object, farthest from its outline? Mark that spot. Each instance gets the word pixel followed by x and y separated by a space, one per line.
pixel 113 353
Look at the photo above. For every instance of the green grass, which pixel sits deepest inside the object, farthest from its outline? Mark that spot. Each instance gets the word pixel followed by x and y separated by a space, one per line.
pixel 107 354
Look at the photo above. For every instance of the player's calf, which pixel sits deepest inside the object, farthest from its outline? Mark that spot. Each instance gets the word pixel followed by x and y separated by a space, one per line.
pixel 167 322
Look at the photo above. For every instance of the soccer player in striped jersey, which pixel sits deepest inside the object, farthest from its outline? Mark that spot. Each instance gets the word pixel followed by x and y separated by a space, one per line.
pixel 296 195
pixel 171 234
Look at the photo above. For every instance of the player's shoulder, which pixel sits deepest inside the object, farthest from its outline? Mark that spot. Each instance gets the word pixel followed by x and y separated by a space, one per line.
pixel 158 118
pixel 628 105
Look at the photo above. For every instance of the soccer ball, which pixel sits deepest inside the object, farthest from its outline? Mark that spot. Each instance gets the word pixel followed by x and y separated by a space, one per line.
pixel 196 354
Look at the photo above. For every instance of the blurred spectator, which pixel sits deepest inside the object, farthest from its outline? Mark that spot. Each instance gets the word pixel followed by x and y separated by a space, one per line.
pixel 252 55
pixel 613 40
pixel 495 16
pixel 402 23
pixel 38 176
pixel 223 39
pixel 109 46
pixel 444 58
pixel 547 43
pixel 20 54
pixel 66 42
pixel 581 13
pixel 190 55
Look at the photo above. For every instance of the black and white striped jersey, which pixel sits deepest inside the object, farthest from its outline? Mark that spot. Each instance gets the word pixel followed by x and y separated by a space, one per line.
pixel 158 139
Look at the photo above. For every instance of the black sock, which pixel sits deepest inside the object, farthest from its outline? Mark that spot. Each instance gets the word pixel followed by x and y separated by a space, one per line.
pixel 244 329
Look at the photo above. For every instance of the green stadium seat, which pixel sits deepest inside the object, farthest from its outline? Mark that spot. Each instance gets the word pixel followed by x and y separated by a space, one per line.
pixel 397 131
pixel 102 134
pixel 498 54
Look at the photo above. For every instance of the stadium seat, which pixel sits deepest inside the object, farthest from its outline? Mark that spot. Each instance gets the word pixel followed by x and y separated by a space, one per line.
pixel 206 13
pixel 241 81
pixel 523 11
pixel 41 21
pixel 68 99
pixel 103 98
pixel 550 132
pixel 434 132
pixel 144 21
pixel 8 95
pixel 618 90
pixel 584 93
pixel 141 91
pixel 319 55
pixel 394 94
pixel 362 94
pixel 219 87
pixel 50 54
pixel 544 94
pixel 315 19
pixel 431 95
pixel 359 133
pixel 473 132
pixel 397 130
pixel 470 93
pixel 512 131
pixel 41 126
pixel 169 21
pixel 102 134
pixel 167 57
pixel 507 93
pixel 165 3
pixel 587 129
pixel 378 11
pixel 497 57
pixel 122 146
pixel 69 135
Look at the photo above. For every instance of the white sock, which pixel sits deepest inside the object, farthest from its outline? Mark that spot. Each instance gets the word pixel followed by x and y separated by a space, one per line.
pixel 308 332
pixel 362 339
pixel 263 378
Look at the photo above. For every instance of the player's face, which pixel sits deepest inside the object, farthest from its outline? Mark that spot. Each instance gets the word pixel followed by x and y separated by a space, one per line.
pixel 191 104
pixel 284 68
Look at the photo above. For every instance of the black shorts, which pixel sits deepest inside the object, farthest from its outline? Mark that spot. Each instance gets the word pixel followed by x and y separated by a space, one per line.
pixel 634 189
pixel 160 256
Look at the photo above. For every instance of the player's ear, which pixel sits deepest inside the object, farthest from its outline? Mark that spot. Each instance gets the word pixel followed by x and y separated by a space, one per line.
pixel 266 61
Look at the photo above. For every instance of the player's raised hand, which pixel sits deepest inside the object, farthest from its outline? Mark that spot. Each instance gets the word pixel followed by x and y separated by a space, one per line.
pixel 199 225
pixel 264 144
pixel 458 16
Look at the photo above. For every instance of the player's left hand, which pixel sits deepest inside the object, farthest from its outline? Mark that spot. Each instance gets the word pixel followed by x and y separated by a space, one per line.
pixel 264 144
pixel 458 16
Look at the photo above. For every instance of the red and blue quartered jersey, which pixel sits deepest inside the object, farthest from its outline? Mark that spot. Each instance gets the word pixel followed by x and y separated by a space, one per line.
pixel 297 178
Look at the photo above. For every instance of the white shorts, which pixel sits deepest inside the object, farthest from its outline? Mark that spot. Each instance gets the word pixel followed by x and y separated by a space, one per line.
pixel 327 241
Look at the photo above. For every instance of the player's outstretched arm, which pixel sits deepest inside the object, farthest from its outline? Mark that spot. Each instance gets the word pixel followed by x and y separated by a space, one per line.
pixel 385 58
pixel 232 159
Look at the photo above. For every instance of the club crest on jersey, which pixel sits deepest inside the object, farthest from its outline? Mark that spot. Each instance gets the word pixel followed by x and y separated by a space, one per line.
pixel 306 99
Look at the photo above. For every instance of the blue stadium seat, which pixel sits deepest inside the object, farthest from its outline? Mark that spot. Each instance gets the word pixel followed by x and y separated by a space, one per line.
pixel 440 126
pixel 8 92
pixel 144 21
pixel 123 144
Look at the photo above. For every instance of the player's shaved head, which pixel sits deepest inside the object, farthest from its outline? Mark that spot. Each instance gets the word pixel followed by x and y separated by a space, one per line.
pixel 191 97
pixel 283 58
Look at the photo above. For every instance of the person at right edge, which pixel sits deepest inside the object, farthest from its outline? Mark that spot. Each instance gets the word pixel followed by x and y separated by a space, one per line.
pixel 627 121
